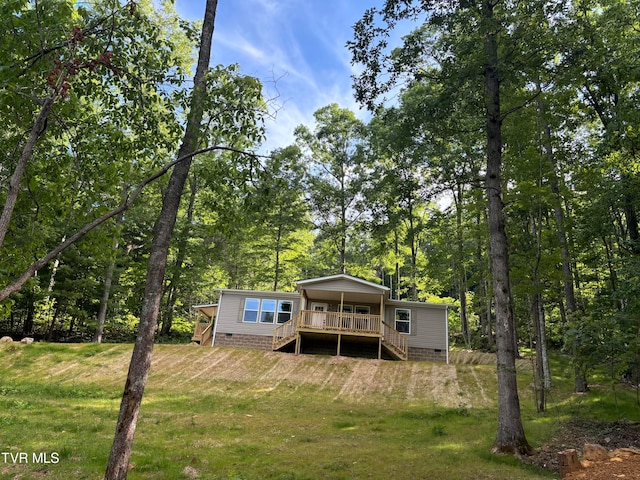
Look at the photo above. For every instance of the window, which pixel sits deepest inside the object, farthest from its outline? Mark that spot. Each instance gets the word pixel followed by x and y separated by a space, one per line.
pixel 403 320
pixel 268 313
pixel 284 311
pixel 363 309
pixel 267 310
pixel 347 308
pixel 251 309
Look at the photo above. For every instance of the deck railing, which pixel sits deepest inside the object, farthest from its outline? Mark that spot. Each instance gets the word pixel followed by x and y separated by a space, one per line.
pixel 207 335
pixel 203 333
pixel 283 333
pixel 395 340
pixel 341 322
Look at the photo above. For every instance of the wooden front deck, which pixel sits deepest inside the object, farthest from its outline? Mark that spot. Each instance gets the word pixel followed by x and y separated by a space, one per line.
pixel 342 324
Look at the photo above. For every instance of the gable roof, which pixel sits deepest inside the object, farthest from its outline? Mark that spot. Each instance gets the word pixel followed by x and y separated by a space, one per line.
pixel 316 282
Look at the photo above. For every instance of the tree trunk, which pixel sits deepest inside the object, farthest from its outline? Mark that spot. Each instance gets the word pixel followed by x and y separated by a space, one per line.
pixel 27 326
pixel 510 435
pixel 544 352
pixel 52 325
pixel 140 364
pixel 276 273
pixel 343 233
pixel 464 318
pixel 179 263
pixel 482 299
pixel 413 288
pixel 539 323
pixel 397 253
pixel 108 278
pixel 49 311
pixel 14 184
pixel 542 374
pixel 72 324
pixel 488 290
pixel 580 383
pixel 461 274
pixel 104 301
pixel 542 360
pixel 630 213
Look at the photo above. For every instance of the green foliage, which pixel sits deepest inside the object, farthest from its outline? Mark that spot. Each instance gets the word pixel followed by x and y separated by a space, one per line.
pixel 114 121
pixel 333 153
pixel 607 341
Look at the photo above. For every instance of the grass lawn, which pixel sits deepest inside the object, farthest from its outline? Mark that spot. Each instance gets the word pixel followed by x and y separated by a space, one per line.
pixel 242 414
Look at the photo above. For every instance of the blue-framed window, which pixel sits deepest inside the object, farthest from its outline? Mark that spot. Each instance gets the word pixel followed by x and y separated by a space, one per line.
pixel 251 310
pixel 267 310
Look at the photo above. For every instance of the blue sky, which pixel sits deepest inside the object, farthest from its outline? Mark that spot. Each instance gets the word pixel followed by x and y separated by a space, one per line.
pixel 299 44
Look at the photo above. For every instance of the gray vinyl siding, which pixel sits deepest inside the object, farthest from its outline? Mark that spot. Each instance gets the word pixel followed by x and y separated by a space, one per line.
pixel 344 285
pixel 428 324
pixel 231 310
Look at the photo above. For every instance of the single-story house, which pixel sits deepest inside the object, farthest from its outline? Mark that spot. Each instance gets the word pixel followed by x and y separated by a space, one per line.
pixel 335 315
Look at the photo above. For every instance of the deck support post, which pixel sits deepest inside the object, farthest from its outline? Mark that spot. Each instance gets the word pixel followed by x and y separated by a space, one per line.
pixel 380 348
pixel 298 341
pixel 339 344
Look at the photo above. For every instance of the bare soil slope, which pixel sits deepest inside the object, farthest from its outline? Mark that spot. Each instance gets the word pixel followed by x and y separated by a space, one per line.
pixel 469 379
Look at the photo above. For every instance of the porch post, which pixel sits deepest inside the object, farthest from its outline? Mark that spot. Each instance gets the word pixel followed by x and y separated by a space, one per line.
pixel 381 311
pixel 381 326
pixel 340 312
pixel 303 301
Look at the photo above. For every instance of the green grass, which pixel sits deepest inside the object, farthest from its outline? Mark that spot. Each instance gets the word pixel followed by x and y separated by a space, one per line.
pixel 244 415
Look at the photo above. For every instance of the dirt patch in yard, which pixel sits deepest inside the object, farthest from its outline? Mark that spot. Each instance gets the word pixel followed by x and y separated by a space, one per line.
pixel 612 436
pixel 626 468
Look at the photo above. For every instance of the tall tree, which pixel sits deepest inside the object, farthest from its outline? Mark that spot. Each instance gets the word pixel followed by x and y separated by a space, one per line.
pixel 222 105
pixel 118 465
pixel 456 41
pixel 282 221
pixel 397 166
pixel 510 434
pixel 333 149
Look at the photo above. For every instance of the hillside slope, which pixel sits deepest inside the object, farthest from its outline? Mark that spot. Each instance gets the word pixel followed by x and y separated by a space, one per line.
pixel 469 379
pixel 223 413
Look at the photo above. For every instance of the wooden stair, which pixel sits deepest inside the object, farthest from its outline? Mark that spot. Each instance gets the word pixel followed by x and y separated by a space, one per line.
pixel 286 333
pixel 203 333
pixel 396 343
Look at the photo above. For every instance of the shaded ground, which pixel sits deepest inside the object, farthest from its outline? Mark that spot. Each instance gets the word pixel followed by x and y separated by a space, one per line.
pixel 610 435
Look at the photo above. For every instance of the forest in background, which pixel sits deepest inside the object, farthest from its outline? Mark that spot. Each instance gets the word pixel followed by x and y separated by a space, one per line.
pixel 399 199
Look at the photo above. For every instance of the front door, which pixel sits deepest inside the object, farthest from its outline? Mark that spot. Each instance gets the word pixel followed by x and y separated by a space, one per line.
pixel 318 319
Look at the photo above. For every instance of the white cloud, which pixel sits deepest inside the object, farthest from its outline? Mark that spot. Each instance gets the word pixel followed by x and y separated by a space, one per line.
pixel 242 46
pixel 299 43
